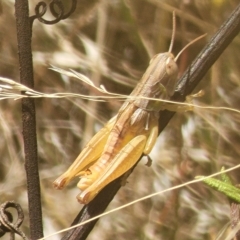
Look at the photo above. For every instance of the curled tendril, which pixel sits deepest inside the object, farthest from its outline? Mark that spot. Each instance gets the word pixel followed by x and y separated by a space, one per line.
pixel 6 220
pixel 56 9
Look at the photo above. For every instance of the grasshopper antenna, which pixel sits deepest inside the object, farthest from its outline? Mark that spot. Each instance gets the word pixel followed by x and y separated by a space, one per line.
pixel 173 32
pixel 189 44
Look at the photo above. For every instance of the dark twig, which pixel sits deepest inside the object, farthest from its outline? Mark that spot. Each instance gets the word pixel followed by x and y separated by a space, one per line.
pixel 197 70
pixel 24 35
pixel 90 210
pixel 203 62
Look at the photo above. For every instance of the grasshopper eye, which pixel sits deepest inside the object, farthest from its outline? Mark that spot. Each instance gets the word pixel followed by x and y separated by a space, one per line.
pixel 171 66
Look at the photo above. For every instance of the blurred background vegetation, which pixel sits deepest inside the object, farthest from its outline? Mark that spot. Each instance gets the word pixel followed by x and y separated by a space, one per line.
pixel 112 42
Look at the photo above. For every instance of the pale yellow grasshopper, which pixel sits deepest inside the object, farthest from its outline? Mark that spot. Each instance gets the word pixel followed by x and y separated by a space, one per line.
pixel 132 132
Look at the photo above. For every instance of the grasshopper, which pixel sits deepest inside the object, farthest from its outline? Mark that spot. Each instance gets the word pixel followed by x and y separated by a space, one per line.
pixel 132 132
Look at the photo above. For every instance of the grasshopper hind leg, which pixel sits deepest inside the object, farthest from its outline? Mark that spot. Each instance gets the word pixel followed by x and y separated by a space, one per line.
pixel 90 154
pixel 123 161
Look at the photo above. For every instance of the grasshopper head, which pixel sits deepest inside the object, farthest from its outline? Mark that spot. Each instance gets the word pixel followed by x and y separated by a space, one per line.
pixel 165 70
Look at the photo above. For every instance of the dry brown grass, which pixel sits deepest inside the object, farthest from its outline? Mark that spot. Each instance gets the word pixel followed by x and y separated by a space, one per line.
pixel 111 42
